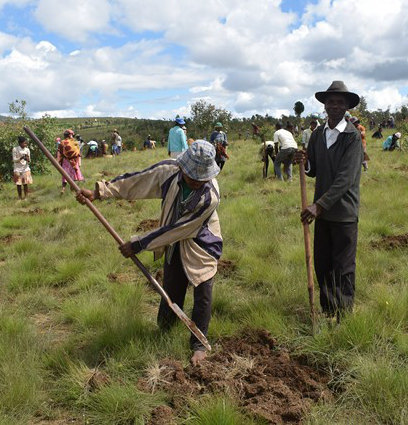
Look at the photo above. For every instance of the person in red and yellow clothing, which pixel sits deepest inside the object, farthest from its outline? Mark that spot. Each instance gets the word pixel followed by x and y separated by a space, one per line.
pixel 361 129
pixel 69 157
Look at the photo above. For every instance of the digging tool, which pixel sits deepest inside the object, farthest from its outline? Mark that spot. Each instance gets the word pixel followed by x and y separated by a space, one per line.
pixel 176 309
pixel 308 253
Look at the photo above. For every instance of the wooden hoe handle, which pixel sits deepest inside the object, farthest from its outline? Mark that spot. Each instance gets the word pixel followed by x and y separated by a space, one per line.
pixel 176 309
pixel 308 251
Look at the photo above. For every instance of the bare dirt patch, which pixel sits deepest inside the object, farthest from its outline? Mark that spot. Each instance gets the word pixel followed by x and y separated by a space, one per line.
pixel 31 211
pixel 392 242
pixel 8 239
pixel 265 380
pixel 231 195
pixel 226 267
pixel 105 173
pixel 146 225
pixel 121 277
pixel 55 332
pixel 402 167
pixel 64 420
pixel 271 190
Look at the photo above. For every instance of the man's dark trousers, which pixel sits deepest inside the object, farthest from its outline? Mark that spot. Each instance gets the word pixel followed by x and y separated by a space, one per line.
pixel 175 283
pixel 335 247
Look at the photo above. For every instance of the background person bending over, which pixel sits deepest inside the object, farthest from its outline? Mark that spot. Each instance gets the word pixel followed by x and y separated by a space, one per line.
pixel 189 232
pixel 149 143
pixel 288 148
pixel 378 134
pixel 266 152
pixel 392 142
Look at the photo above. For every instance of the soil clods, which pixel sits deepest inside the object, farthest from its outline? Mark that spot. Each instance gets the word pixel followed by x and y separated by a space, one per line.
pixel 265 380
pixel 392 242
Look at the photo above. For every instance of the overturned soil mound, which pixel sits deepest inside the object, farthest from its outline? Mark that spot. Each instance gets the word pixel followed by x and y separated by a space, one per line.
pixel 226 267
pixel 146 225
pixel 391 242
pixel 265 379
pixel 162 415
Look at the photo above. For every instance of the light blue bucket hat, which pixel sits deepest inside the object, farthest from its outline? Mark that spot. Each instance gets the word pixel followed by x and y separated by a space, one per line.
pixel 198 161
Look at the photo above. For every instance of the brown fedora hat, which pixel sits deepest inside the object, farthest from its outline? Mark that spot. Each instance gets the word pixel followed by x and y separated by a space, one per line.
pixel 338 87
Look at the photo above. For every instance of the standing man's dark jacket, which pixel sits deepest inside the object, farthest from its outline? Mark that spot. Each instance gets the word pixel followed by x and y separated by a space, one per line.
pixel 337 174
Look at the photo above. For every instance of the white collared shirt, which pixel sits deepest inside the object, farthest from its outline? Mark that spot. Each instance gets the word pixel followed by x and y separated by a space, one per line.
pixel 332 134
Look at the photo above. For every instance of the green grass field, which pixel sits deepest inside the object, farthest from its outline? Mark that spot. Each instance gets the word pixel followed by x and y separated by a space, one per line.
pixel 77 320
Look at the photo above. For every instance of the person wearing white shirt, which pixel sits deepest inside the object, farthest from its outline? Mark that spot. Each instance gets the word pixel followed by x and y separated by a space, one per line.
pixel 288 147
pixel 21 167
pixel 334 156
pixel 116 143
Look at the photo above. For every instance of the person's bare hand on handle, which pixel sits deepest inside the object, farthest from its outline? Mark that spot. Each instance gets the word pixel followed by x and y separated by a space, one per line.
pixel 126 249
pixel 310 213
pixel 130 248
pixel 85 194
pixel 300 156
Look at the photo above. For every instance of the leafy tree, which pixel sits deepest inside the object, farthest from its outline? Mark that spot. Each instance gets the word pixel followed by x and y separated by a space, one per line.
pixel 299 108
pixel 18 107
pixel 205 115
pixel 362 107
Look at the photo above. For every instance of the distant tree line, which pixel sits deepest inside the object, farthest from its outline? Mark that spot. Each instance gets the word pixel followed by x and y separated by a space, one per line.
pixel 200 123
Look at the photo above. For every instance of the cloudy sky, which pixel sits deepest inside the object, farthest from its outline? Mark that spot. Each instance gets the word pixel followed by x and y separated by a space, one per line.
pixel 155 58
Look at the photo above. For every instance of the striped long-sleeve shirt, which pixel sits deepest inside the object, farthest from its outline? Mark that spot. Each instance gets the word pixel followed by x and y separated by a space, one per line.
pixel 197 229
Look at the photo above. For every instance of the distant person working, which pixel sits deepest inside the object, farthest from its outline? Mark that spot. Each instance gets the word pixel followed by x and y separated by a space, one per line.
pixel 177 141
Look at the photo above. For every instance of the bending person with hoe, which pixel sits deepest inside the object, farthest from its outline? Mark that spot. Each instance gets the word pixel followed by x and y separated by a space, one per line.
pixel 189 234
pixel 334 156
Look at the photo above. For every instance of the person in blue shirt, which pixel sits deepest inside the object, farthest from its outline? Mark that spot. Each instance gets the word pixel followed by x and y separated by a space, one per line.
pixel 177 141
pixel 392 142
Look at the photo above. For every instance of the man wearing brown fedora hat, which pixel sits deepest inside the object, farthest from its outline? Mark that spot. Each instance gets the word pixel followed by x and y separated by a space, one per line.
pixel 334 156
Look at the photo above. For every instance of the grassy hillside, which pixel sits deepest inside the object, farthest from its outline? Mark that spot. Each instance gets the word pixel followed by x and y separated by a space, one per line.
pixel 77 321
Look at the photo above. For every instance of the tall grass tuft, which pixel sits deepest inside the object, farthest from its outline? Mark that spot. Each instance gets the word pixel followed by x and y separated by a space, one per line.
pixel 107 321
pixel 381 386
pixel 21 374
pixel 218 410
pixel 121 403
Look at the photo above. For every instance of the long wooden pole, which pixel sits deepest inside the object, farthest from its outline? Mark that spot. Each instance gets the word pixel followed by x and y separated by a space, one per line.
pixel 176 309
pixel 308 251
